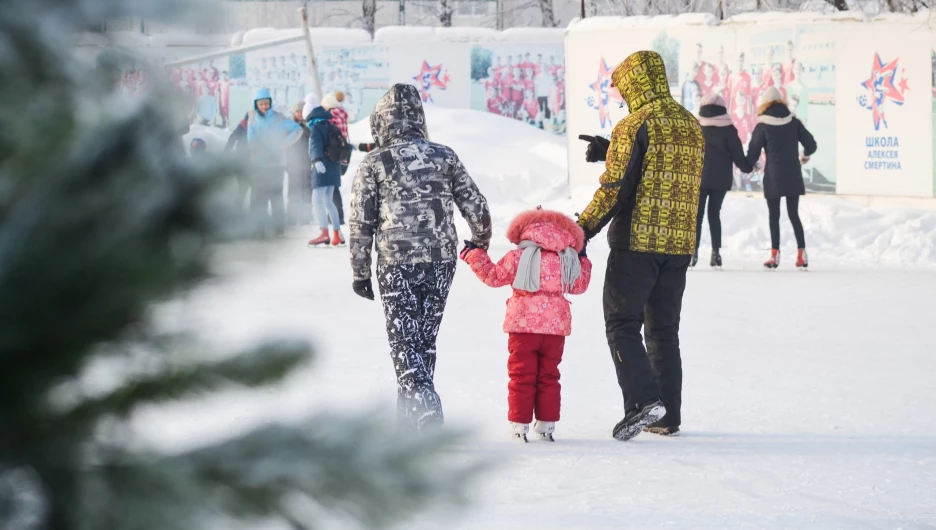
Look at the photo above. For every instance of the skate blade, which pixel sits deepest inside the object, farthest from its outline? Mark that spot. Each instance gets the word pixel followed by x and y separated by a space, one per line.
pixel 522 438
pixel 716 267
pixel 546 437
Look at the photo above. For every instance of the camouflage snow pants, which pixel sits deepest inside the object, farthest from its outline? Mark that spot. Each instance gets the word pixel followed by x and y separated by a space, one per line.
pixel 414 299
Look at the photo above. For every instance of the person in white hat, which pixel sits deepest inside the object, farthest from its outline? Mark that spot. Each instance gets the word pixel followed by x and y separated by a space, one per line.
pixel 779 134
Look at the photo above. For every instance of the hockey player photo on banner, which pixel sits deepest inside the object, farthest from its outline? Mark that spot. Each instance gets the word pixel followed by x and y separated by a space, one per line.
pixel 524 82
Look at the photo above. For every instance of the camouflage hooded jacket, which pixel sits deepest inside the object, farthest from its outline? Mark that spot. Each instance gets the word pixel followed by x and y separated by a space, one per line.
pixel 405 192
pixel 650 188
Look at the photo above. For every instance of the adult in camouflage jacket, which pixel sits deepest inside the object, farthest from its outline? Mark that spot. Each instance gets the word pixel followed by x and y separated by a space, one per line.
pixel 404 198
pixel 649 193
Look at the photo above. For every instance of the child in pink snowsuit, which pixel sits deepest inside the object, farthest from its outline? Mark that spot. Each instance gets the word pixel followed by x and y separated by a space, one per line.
pixel 549 263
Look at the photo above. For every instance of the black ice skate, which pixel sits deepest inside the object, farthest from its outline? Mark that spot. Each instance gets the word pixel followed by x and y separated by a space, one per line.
pixel 636 420
pixel 715 263
pixel 695 259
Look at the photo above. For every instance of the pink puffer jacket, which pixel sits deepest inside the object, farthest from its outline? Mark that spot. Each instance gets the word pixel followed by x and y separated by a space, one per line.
pixel 546 312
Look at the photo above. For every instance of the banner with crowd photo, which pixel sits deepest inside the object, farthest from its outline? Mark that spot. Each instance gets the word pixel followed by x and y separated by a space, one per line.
pixel 360 72
pixel 207 86
pixel 885 143
pixel 524 82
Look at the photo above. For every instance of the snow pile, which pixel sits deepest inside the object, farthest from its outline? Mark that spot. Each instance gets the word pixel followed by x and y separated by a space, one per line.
pixel 519 167
pixel 515 165
pixel 421 35
pixel 215 137
pixel 320 36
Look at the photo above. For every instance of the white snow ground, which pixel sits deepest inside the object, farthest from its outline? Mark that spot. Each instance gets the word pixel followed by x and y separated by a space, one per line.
pixel 808 397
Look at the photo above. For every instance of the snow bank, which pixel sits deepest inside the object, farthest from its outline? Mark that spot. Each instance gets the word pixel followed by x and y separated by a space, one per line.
pixel 411 35
pixel 516 166
pixel 215 138
pixel 519 167
pixel 320 36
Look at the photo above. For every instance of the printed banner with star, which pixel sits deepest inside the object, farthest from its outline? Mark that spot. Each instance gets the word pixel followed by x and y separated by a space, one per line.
pixel 884 147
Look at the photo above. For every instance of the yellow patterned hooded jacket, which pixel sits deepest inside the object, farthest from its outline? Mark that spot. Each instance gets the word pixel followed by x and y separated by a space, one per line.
pixel 653 172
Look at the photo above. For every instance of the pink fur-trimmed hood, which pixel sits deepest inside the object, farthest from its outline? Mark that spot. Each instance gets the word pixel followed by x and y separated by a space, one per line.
pixel 550 230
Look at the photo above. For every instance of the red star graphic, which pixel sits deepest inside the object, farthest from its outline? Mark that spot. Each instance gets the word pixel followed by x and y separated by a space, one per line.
pixel 903 83
pixel 604 92
pixel 428 77
pixel 881 88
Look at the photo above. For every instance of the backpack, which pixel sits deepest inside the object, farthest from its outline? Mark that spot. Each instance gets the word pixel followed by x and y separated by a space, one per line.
pixel 337 149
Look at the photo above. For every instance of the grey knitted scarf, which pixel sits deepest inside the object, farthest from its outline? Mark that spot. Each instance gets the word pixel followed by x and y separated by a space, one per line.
pixel 528 271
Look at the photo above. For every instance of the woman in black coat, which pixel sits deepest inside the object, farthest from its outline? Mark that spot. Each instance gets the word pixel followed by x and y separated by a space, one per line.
pixel 779 134
pixel 723 150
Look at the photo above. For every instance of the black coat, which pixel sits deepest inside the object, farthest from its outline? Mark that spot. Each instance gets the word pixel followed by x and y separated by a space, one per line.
pixel 722 149
pixel 778 134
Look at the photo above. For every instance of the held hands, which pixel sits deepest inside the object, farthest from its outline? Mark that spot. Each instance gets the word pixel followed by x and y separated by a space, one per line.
pixel 366 148
pixel 318 166
pixel 803 160
pixel 363 288
pixel 469 246
pixel 597 150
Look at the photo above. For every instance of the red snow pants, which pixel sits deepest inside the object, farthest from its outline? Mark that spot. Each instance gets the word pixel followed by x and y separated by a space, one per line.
pixel 533 367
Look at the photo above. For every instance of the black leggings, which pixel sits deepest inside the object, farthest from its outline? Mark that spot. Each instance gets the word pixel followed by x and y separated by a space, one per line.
pixel 792 207
pixel 715 200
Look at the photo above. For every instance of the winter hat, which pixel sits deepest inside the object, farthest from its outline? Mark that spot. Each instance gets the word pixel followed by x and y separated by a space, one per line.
pixel 311 101
pixel 298 105
pixel 771 94
pixel 714 99
pixel 330 101
pixel 198 146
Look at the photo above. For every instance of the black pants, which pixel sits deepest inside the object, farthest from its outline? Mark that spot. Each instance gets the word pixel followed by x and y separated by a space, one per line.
pixel 299 209
pixel 336 198
pixel 267 190
pixel 414 299
pixel 715 200
pixel 544 106
pixel 646 290
pixel 792 207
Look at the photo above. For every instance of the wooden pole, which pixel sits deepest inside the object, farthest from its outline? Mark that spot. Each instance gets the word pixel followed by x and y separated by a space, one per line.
pixel 304 15
pixel 231 51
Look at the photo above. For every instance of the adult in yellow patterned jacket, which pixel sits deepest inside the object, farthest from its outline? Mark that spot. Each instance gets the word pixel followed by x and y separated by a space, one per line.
pixel 650 194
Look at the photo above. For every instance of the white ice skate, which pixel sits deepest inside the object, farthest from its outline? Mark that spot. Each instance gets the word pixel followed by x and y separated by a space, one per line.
pixel 518 431
pixel 545 430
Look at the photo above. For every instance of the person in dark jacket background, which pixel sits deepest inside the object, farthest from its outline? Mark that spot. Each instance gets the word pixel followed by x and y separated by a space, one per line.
pixel 722 150
pixel 326 174
pixel 403 199
pixel 298 170
pixel 237 144
pixel 779 134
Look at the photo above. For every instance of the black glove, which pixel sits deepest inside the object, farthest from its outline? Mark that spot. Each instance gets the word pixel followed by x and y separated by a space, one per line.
pixel 366 148
pixel 363 288
pixel 597 150
pixel 469 246
pixel 582 253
